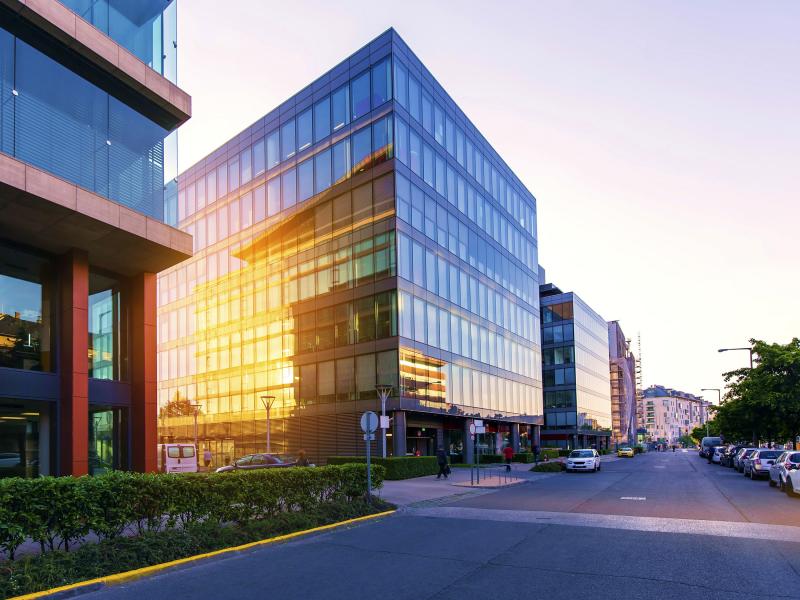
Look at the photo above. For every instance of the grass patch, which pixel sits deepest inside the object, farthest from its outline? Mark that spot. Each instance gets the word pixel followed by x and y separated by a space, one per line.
pixel 116 555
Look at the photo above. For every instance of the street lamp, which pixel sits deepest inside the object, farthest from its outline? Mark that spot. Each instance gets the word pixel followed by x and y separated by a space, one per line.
pixel 268 401
pixel 749 349
pixel 719 401
pixel 383 393
pixel 196 408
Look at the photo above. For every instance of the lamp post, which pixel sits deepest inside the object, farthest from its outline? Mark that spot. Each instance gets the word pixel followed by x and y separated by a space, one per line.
pixel 719 401
pixel 749 349
pixel 268 401
pixel 383 393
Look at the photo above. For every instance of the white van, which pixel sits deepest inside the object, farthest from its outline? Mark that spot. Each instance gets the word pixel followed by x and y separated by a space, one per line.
pixel 177 458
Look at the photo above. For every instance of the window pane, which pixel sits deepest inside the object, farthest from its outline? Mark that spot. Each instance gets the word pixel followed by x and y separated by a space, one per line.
pixel 273 149
pixel 305 180
pixel 259 157
pixel 382 139
pixel 359 89
pixel 427 112
pixel 322 119
pixel 415 152
pixel 287 140
pixel 402 141
pixel 413 97
pixel 438 124
pixel 260 203
pixel 340 107
pixel 322 171
pixel 341 161
pixel 289 185
pixel 401 84
pixel 304 130
pixel 381 83
pixel 246 165
pixel 273 196
pixel 362 148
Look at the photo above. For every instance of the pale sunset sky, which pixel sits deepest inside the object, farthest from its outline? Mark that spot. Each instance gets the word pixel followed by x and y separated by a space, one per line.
pixel 661 140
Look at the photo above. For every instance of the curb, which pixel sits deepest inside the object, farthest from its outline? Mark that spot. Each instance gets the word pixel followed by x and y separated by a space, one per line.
pixel 118 578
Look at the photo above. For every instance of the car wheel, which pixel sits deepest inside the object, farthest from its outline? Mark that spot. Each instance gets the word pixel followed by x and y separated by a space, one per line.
pixel 772 482
pixel 789 488
pixel 781 485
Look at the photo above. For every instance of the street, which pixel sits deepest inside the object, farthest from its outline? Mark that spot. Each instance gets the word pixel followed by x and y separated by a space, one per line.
pixel 660 525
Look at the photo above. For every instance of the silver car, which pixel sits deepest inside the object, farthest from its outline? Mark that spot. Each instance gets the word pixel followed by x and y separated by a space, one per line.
pixel 757 464
pixel 738 460
pixel 789 460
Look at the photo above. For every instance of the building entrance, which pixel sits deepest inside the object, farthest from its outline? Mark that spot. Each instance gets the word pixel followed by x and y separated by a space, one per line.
pixel 421 441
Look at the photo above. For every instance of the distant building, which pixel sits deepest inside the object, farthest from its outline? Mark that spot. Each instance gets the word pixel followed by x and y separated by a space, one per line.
pixel 577 391
pixel 622 368
pixel 670 414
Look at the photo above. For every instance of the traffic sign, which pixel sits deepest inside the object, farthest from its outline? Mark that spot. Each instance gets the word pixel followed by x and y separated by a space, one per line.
pixel 369 422
pixel 385 422
pixel 480 429
pixel 472 429
pixel 478 422
pixel 369 437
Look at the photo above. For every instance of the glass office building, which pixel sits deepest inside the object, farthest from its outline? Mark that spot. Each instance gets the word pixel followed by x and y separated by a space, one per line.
pixel 575 371
pixel 88 104
pixel 363 233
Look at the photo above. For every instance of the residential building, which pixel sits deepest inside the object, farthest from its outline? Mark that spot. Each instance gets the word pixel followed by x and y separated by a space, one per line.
pixel 88 104
pixel 622 367
pixel 670 414
pixel 575 372
pixel 364 232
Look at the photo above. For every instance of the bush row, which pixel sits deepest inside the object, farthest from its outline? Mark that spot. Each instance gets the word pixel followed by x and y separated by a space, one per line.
pixel 56 512
pixel 549 453
pixel 41 572
pixel 397 467
pixel 548 467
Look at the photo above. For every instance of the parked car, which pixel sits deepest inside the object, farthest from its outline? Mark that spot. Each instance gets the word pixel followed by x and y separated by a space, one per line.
pixel 716 454
pixel 740 456
pixel 758 463
pixel 789 460
pixel 177 458
pixel 255 461
pixel 792 485
pixel 625 451
pixel 583 460
pixel 729 454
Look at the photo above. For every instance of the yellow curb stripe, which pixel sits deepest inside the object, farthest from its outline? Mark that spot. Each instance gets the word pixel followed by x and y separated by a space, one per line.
pixel 137 573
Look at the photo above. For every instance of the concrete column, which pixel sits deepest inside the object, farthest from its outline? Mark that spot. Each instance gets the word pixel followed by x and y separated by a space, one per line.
pixel 515 437
pixel 73 366
pixel 142 324
pixel 399 433
pixel 439 439
pixel 469 443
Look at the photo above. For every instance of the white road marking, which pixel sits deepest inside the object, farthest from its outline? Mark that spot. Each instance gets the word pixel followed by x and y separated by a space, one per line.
pixel 660 467
pixel 633 498
pixel 733 529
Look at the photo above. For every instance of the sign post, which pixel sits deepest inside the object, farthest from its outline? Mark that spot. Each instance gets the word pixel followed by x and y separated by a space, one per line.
pixel 472 441
pixel 479 429
pixel 369 423
pixel 383 393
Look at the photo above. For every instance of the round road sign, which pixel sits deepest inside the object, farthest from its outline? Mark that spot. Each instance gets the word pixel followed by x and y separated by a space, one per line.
pixel 369 422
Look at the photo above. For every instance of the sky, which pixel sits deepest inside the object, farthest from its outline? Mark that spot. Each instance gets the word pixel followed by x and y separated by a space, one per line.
pixel 661 140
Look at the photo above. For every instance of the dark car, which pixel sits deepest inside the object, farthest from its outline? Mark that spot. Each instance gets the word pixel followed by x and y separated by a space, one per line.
pixel 727 457
pixel 255 461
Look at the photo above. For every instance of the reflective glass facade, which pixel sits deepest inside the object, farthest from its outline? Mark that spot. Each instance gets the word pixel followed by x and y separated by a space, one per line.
pixel 54 119
pixel 325 264
pixel 575 369
pixel 147 28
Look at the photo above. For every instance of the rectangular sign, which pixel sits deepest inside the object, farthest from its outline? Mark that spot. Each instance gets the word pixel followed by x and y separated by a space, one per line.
pixel 480 429
pixel 369 437
pixel 478 422
pixel 385 422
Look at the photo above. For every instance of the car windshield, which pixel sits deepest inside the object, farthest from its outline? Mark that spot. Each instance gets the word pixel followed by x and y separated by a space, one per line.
pixel 581 454
pixel 769 454
pixel 625 449
pixel 750 453
pixel 794 457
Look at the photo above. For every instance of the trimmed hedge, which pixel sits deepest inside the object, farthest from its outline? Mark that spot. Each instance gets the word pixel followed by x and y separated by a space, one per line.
pixel 397 467
pixel 31 574
pixel 548 467
pixel 549 453
pixel 57 512
pixel 523 457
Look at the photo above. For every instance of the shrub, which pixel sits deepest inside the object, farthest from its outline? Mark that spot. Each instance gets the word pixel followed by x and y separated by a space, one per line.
pixel 56 512
pixel 564 452
pixel 523 457
pixel 638 449
pixel 548 467
pixel 397 467
pixel 549 453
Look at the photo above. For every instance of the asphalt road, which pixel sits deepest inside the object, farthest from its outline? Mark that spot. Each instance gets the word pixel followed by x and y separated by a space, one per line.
pixel 656 526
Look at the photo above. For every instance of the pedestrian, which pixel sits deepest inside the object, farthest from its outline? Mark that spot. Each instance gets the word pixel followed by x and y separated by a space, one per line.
pixel 207 457
pixel 508 454
pixel 441 458
pixel 302 460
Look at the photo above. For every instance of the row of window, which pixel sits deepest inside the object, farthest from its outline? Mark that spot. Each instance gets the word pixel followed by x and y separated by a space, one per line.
pixel 439 175
pixel 552 313
pixel 559 376
pixel 559 399
pixel 426 323
pixel 434 273
pixel 429 217
pixel 564 355
pixel 368 146
pixel 260 290
pixel 350 102
pixel 555 334
pixel 450 136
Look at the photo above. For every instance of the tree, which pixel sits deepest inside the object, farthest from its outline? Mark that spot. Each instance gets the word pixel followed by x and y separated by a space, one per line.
pixel 179 406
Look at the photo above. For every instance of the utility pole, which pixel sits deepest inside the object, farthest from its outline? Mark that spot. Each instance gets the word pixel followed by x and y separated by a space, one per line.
pixel 268 401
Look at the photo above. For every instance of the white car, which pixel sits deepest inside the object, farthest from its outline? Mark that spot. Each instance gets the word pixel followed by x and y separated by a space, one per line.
pixel 788 461
pixel 792 485
pixel 583 460
pixel 716 457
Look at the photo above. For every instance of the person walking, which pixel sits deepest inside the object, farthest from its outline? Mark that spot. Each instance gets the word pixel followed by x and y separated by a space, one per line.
pixel 508 454
pixel 441 458
pixel 302 459
pixel 207 457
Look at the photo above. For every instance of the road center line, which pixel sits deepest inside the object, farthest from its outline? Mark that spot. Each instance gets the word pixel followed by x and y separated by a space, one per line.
pixel 733 529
